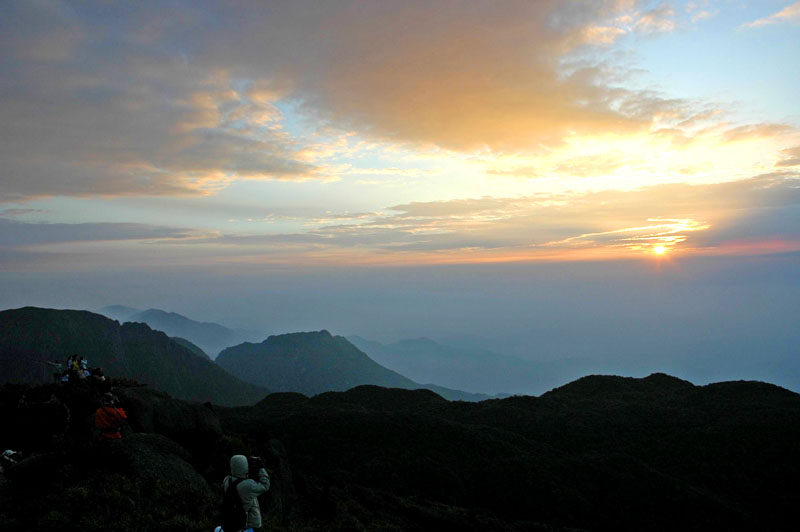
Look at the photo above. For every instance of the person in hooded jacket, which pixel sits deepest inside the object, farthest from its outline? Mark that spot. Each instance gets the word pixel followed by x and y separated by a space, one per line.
pixel 249 489
pixel 109 418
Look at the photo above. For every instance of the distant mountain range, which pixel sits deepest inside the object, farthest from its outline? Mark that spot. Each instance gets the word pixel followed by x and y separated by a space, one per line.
pixel 316 362
pixel 31 337
pixel 210 337
pixel 308 363
pixel 601 453
pixel 474 369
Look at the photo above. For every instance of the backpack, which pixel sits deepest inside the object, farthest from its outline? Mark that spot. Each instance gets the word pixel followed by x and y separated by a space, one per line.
pixel 234 517
pixel 109 419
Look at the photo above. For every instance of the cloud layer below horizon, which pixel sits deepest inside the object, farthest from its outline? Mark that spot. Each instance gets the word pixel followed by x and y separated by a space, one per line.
pixel 754 216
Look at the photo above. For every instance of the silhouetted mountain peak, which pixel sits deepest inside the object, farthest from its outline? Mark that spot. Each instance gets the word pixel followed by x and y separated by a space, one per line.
pixel 316 362
pixel 43 311
pixel 138 328
pixel 376 397
pixel 600 387
pixel 282 399
pixel 663 380
pixel 306 362
pixel 750 390
pixel 298 337
pixel 153 312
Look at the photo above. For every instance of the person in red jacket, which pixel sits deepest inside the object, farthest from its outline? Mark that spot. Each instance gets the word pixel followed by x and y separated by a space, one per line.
pixel 109 418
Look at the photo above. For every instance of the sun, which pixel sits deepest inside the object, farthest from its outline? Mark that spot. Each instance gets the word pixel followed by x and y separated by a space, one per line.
pixel 659 250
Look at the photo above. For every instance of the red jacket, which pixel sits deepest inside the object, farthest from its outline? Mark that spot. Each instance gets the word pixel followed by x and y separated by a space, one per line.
pixel 109 420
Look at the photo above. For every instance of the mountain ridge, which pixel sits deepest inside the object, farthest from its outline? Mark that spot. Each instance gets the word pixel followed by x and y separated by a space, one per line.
pixel 601 453
pixel 211 337
pixel 316 362
pixel 31 338
pixel 476 370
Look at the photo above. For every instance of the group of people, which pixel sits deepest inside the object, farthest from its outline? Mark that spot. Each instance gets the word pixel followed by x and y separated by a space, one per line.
pixel 78 370
pixel 248 479
pixel 109 416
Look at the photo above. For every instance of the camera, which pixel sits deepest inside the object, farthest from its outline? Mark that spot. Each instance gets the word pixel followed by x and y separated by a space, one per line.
pixel 255 463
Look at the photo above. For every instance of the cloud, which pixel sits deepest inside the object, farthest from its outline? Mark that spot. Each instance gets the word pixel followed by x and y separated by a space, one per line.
pixel 789 13
pixel 746 214
pixel 57 35
pixel 125 99
pixel 630 19
pixel 143 99
pixel 79 136
pixel 789 157
pixel 529 172
pixel 590 165
pixel 601 34
pixel 751 216
pixel 704 15
pixel 14 234
pixel 92 247
pixel 658 20
pixel 755 131
pixel 462 78
pixel 120 109
pixel 8 213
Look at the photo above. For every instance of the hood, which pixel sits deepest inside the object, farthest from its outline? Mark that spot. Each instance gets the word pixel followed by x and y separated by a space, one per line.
pixel 239 466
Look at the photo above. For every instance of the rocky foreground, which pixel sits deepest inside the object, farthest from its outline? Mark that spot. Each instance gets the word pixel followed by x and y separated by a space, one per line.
pixel 601 453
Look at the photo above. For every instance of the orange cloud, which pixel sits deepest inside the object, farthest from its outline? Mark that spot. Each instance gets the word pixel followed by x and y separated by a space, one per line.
pixel 790 13
pixel 466 78
pixel 154 107
pixel 789 157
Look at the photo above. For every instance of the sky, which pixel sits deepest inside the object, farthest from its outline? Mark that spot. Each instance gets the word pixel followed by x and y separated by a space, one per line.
pixel 539 174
